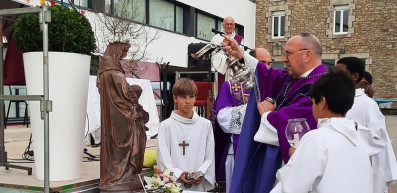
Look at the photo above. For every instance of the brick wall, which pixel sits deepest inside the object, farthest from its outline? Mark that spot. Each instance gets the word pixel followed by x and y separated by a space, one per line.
pixel 372 33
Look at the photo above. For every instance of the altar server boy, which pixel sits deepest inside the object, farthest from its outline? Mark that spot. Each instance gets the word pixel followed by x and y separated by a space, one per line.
pixel 331 158
pixel 186 141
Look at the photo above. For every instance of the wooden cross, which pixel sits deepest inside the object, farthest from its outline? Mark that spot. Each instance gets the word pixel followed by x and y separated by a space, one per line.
pixel 183 144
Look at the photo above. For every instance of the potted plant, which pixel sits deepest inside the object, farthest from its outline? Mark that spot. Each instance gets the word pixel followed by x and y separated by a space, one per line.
pixel 71 41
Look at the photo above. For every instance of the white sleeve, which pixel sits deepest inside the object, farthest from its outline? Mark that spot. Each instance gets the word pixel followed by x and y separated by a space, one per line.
pixel 308 159
pixel 208 167
pixel 250 61
pixel 231 119
pixel 266 133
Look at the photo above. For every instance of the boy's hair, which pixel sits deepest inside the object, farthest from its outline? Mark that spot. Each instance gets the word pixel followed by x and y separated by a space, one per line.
pixel 353 65
pixel 368 77
pixel 338 90
pixel 184 87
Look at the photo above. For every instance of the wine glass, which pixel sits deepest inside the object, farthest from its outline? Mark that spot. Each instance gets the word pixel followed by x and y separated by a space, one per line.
pixel 295 130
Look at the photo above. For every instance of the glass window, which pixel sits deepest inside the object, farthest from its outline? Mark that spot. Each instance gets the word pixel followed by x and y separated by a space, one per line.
pixel 204 26
pixel 161 14
pixel 329 64
pixel 278 24
pixel 341 19
pixel 219 24
pixel 278 65
pixel 81 3
pixel 179 19
pixel 133 10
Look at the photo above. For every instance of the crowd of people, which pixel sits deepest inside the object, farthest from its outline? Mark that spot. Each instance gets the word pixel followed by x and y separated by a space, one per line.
pixel 243 146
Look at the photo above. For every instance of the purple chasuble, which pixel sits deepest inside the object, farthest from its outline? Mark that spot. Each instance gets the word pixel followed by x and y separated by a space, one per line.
pixel 256 163
pixel 231 94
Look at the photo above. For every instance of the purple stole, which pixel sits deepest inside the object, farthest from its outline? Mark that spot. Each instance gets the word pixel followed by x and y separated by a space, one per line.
pixel 256 163
pixel 231 94
pixel 221 77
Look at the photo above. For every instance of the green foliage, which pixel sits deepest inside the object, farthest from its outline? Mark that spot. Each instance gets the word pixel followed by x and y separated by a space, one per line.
pixel 68 31
pixel 94 65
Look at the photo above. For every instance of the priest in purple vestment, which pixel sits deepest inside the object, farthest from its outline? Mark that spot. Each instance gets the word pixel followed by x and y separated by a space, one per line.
pixel 227 117
pixel 257 162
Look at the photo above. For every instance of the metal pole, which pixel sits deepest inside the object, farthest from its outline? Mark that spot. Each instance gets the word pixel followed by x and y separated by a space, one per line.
pixel 3 157
pixel 45 18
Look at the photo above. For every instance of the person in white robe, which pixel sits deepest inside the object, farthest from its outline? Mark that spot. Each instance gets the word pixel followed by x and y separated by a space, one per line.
pixel 218 60
pixel 366 112
pixel 333 157
pixel 186 141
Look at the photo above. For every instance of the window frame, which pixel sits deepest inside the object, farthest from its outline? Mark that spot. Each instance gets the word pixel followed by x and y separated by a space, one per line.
pixel 341 9
pixel 278 14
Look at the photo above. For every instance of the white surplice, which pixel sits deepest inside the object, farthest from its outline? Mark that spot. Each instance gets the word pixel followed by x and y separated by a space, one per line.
pixel 231 119
pixel 199 154
pixel 330 159
pixel 366 112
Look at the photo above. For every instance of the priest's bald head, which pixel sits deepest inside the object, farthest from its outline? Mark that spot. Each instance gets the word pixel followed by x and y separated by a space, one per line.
pixel 302 53
pixel 262 55
pixel 228 25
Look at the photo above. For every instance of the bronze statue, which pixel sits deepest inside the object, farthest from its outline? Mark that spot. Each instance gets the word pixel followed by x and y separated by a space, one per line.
pixel 123 137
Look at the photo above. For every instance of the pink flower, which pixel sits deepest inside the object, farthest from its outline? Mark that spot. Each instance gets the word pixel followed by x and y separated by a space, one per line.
pixel 156 170
pixel 82 12
pixel 165 179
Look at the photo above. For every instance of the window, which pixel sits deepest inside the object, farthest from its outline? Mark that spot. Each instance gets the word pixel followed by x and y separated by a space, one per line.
pixel 341 19
pixel 166 15
pixel 204 26
pixel 278 24
pixel 134 10
pixel 278 65
pixel 329 64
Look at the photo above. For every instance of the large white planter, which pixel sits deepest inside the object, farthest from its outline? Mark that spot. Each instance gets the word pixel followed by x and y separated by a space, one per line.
pixel 68 90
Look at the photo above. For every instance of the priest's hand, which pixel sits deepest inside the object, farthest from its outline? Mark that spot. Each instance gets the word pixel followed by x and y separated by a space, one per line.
pixel 230 46
pixel 291 151
pixel 266 106
pixel 183 179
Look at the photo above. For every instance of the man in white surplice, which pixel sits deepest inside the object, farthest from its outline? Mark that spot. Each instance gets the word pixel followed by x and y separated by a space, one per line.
pixel 366 112
pixel 186 141
pixel 332 158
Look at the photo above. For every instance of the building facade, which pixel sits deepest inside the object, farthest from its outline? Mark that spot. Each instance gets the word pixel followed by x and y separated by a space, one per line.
pixel 365 29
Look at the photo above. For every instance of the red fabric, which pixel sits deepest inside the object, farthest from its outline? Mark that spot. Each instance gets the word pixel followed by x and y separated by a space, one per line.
pixel 14 73
pixel 202 94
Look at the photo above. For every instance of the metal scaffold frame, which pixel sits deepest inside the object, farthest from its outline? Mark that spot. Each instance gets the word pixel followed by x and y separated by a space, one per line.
pixel 45 103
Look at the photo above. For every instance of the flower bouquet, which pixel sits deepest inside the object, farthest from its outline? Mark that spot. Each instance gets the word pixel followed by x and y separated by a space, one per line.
pixel 161 182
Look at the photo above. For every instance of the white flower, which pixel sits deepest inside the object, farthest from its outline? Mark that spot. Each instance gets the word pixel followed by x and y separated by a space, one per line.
pixel 167 172
pixel 153 182
pixel 118 39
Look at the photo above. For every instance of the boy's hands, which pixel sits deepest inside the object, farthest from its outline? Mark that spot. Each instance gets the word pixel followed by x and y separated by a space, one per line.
pixel 183 179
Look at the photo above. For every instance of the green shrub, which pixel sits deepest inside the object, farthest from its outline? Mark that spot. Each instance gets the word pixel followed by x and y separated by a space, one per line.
pixel 68 31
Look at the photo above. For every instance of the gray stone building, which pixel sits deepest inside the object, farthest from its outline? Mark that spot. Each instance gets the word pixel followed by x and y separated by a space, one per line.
pixel 366 29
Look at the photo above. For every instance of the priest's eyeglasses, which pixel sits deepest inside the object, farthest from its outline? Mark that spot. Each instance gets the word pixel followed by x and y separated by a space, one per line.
pixel 287 54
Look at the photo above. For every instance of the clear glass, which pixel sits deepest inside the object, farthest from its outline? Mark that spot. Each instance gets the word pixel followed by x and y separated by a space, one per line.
pixel 204 26
pixel 161 14
pixel 179 19
pixel 345 20
pixel 295 130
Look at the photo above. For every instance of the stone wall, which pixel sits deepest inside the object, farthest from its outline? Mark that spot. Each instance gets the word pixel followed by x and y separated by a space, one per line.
pixel 372 33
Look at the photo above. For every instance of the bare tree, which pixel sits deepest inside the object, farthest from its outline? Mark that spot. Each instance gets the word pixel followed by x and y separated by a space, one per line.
pixel 124 21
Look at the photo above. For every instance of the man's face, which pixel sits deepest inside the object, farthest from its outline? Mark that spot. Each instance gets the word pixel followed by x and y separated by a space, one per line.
pixel 264 56
pixel 293 57
pixel 228 25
